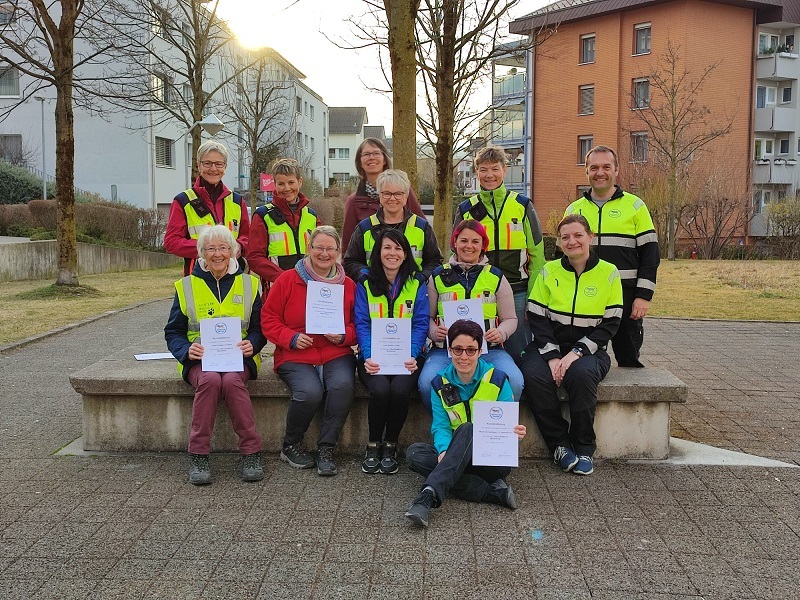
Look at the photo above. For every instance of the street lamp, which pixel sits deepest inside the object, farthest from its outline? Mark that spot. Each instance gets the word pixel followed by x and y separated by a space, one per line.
pixel 210 124
pixel 44 162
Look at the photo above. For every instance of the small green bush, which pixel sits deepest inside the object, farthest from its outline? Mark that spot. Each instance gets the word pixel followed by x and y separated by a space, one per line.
pixel 18 185
pixel 14 217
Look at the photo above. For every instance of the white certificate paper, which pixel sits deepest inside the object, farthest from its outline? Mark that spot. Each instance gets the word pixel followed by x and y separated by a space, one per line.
pixel 391 345
pixel 471 310
pixel 494 442
pixel 324 308
pixel 219 338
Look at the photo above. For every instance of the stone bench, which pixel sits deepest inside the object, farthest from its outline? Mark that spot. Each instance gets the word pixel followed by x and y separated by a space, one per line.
pixel 144 406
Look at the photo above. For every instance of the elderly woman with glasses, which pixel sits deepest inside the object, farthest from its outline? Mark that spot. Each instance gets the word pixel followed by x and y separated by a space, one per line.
pixel 393 190
pixel 217 288
pixel 319 369
pixel 372 159
pixel 207 202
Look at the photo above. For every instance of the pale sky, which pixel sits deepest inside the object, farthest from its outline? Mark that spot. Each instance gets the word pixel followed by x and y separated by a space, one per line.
pixel 297 29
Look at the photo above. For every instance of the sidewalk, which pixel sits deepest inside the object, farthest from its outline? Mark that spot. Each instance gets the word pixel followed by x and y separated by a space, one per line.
pixel 132 527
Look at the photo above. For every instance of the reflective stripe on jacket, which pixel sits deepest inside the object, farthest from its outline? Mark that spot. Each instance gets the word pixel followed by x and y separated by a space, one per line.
pixel 286 245
pixel 413 229
pixel 488 390
pixel 232 215
pixel 449 287
pixel 402 307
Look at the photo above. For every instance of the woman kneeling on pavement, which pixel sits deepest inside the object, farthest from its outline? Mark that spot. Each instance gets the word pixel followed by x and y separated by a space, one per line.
pixel 217 288
pixel 468 274
pixel 393 288
pixel 447 464
pixel 574 310
pixel 319 369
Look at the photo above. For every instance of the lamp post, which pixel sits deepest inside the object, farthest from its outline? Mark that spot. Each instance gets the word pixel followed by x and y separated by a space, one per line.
pixel 210 124
pixel 44 160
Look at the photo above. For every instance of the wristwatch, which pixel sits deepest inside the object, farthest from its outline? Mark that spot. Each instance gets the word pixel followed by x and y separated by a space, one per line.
pixel 578 351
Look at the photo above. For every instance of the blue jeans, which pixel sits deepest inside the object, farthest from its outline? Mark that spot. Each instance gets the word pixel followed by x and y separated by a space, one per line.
pixel 437 360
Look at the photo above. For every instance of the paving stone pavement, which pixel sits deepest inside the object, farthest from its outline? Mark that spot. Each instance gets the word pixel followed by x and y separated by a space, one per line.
pixel 130 526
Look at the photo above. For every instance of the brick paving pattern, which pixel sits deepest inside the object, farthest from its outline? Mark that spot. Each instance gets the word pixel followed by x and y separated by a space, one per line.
pixel 132 527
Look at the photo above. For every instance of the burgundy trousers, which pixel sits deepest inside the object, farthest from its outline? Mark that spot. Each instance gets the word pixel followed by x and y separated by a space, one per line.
pixel 230 388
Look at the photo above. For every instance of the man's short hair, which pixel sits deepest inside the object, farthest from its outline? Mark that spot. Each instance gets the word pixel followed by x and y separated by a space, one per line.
pixel 490 154
pixel 287 166
pixel 602 149
pixel 464 327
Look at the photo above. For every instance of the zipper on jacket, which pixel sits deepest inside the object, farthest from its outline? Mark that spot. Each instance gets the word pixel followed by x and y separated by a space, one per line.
pixel 574 301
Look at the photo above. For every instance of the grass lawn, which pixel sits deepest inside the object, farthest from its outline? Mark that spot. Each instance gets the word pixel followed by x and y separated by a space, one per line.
pixel 758 290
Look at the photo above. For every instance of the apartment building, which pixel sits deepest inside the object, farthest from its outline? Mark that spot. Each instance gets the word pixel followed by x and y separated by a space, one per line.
pixel 347 125
pixel 589 83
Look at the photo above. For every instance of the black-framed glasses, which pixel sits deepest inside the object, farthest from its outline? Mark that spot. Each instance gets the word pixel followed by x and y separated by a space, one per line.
pixel 210 163
pixel 458 350
pixel 395 195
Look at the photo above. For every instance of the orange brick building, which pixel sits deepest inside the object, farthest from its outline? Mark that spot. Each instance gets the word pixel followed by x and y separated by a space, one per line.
pixel 589 81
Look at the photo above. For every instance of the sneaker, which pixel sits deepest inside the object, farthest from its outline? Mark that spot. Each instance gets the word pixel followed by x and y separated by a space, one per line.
pixel 199 469
pixel 297 457
pixel 372 458
pixel 251 467
pixel 565 458
pixel 585 466
pixel 389 464
pixel 500 493
pixel 325 464
pixel 421 507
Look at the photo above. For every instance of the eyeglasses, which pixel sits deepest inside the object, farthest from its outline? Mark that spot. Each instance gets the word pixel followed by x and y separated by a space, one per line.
pixel 371 154
pixel 215 249
pixel 210 163
pixel 395 195
pixel 458 350
pixel 319 250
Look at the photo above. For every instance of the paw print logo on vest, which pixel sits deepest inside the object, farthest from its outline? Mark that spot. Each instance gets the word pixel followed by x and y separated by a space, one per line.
pixel 210 312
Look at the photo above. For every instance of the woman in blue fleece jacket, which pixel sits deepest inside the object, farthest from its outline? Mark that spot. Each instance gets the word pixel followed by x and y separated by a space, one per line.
pixel 392 288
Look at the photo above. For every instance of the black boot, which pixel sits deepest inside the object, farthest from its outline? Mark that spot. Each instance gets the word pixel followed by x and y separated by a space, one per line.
pixel 500 493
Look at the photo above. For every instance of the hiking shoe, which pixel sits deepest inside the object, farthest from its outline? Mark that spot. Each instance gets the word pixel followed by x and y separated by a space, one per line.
pixel 251 467
pixel 297 457
pixel 585 466
pixel 500 493
pixel 421 507
pixel 565 458
pixel 199 469
pixel 372 458
pixel 389 464
pixel 325 464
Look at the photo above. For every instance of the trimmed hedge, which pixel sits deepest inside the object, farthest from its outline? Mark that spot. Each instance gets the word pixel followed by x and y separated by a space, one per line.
pixel 18 185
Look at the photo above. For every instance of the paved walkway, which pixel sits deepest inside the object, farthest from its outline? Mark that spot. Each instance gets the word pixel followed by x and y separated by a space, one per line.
pixel 131 527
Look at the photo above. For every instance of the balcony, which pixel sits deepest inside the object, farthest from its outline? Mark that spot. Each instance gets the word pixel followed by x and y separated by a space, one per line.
pixel 777 171
pixel 781 66
pixel 775 118
pixel 510 134
pixel 508 86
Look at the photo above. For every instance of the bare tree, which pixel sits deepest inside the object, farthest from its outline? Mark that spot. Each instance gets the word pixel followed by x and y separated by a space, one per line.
pixel 41 46
pixel 678 124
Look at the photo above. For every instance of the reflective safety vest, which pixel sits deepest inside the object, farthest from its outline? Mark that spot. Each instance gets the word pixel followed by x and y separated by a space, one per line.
pixel 449 287
pixel 198 302
pixel 508 246
pixel 286 245
pixel 413 229
pixel 231 218
pixel 402 307
pixel 488 389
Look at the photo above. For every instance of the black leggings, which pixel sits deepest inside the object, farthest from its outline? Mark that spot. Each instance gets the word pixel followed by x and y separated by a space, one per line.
pixel 388 402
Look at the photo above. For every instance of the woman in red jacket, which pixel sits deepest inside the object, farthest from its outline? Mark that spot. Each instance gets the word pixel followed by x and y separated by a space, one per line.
pixel 372 159
pixel 318 368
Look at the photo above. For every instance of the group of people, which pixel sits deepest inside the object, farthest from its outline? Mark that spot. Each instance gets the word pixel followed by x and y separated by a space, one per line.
pixel 545 325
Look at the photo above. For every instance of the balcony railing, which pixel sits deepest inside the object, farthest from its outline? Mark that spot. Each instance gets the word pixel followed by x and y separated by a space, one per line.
pixel 776 171
pixel 781 66
pixel 508 86
pixel 775 118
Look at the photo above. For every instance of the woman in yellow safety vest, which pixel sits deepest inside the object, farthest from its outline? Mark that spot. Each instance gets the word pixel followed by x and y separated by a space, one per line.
pixel 574 309
pixel 392 289
pixel 217 288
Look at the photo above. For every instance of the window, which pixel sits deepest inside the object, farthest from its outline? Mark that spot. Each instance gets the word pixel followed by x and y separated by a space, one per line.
pixel 298 105
pixel 344 153
pixel 783 146
pixel 641 93
pixel 164 154
pixel 639 146
pixel 8 16
pixel 767 42
pixel 161 89
pixel 763 148
pixel 306 108
pixel 341 178
pixel 587 49
pixel 786 94
pixel 585 143
pixel 641 39
pixel 313 175
pixel 760 200
pixel 161 21
pixel 188 96
pixel 331 152
pixel 299 140
pixel 11 148
pixel 765 96
pixel 305 145
pixel 582 189
pixel 311 108
pixel 586 100
pixel 312 144
pixel 789 42
pixel 9 82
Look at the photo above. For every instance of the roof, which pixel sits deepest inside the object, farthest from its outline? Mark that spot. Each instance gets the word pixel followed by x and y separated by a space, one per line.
pixel 375 131
pixel 347 119
pixel 564 11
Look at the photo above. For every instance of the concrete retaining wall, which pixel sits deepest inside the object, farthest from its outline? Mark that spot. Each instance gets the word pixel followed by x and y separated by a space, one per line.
pixel 38 260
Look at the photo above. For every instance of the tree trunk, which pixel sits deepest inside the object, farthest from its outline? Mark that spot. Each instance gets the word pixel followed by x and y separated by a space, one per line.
pixel 66 238
pixel 401 17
